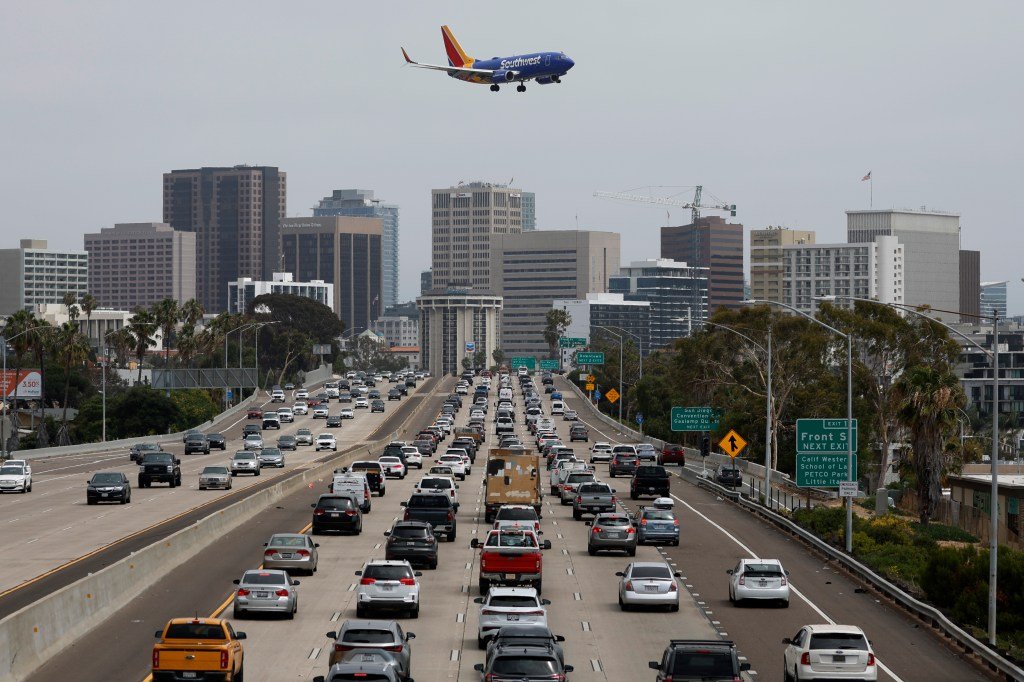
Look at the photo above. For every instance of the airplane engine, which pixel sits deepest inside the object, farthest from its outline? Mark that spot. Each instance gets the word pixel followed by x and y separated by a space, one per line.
pixel 503 76
pixel 546 80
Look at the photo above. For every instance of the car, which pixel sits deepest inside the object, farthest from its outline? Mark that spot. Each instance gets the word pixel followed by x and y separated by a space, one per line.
pixel 445 485
pixel 570 482
pixel 517 516
pixel 457 464
pixel 526 636
pixel 658 525
pixel 217 440
pixel 287 442
pixel 578 432
pixel 569 415
pixel 286 415
pixel 648 583
pixel 673 454
pixel 649 479
pixel 412 541
pixel 197 442
pixel 215 477
pixel 266 591
pixel 363 665
pixel 347 413
pixel 271 457
pixel 622 463
pixel 729 475
pixel 344 397
pixel 388 585
pixel 759 580
pixel 326 441
pixel 289 387
pixel 204 648
pixel 503 605
pixel 563 464
pixel 245 462
pixel 464 454
pixel 394 394
pixel 108 486
pixel 441 470
pixel 159 467
pixel 374 474
pixel 15 477
pixel 386 635
pixel 362 403
pixel 190 432
pixel 304 437
pixel 612 531
pixel 826 651
pixel 374 394
pixel 376 405
pixel 593 498
pixel 699 659
pixel 301 394
pixel 514 661
pixel 253 442
pixel 292 552
pixel 336 512
pixel 250 429
pixel 277 396
pixel 139 449
pixel 601 452
pixel 321 412
pixel 254 413
pixel 333 421
pixel 300 407
pixel 392 465
pixel 412 456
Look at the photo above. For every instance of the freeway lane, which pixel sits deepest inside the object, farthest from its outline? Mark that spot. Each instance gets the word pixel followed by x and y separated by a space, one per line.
pixel 63 530
pixel 716 533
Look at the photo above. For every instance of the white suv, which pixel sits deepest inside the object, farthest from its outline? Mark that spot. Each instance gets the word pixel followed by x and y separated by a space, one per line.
pixel 326 441
pixel 504 605
pixel 388 585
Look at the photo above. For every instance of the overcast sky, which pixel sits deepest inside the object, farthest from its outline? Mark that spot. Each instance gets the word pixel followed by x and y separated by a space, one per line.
pixel 778 107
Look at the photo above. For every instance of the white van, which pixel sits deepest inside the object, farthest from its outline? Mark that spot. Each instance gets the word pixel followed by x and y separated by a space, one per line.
pixel 557 407
pixel 505 394
pixel 352 485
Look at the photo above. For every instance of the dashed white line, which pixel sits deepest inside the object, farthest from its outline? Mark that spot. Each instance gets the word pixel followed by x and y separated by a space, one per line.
pixel 596 665
pixel 313 654
pixel 586 625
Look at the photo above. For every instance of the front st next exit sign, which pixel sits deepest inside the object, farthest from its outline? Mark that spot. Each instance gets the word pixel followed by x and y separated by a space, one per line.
pixel 819 436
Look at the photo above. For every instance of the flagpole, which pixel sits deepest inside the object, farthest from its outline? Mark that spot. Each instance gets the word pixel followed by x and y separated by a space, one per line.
pixel 871 193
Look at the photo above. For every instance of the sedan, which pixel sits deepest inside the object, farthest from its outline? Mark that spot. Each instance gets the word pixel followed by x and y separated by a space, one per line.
pixel 648 583
pixel 245 462
pixel 287 442
pixel 760 579
pixel 362 402
pixel 570 416
pixel 347 413
pixel 334 421
pixel 292 552
pixel 215 477
pixel 266 591
pixel 611 532
pixel 271 457
pixel 326 441
pixel 729 475
pixel 108 486
pixel 217 440
pixel 394 394
pixel 819 652
pixel 304 437
pixel 504 605
pixel 253 442
pixel 393 466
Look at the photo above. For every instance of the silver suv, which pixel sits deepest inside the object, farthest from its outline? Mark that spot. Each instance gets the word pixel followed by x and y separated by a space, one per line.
pixel 387 584
pixel 245 462
pixel 373 634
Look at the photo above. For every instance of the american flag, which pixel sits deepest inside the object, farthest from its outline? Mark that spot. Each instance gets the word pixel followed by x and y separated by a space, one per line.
pixel 866 177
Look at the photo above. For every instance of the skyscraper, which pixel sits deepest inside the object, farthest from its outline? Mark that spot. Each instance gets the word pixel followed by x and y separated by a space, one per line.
pixel 677 294
pixel 426 281
pixel 236 214
pixel 342 251
pixel 970 285
pixel 454 325
pixel 874 270
pixel 993 299
pixel 766 264
pixel 529 211
pixel 360 203
pixel 714 244
pixel 465 220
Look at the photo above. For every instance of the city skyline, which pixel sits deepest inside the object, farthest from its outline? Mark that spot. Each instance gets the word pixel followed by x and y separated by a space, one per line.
pixel 893 94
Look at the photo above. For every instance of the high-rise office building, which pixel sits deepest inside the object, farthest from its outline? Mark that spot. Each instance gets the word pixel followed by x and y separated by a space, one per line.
pixel 931 243
pixel 465 220
pixel 993 299
pixel 426 281
pixel 236 214
pixel 457 324
pixel 873 270
pixel 607 316
pixel 134 265
pixel 242 291
pixel 970 285
pixel 766 266
pixel 529 211
pixel 342 251
pixel 677 293
pixel 532 269
pixel 33 275
pixel 360 203
pixel 714 244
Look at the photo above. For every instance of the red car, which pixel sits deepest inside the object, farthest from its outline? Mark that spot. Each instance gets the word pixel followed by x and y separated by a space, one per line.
pixel 673 454
pixel 255 413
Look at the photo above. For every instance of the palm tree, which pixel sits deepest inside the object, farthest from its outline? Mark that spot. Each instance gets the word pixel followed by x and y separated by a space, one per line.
pixel 142 325
pixel 188 344
pixel 39 342
pixel 191 312
pixel 17 323
pixel 71 348
pixel 166 316
pixel 70 300
pixel 121 341
pixel 88 305
pixel 927 399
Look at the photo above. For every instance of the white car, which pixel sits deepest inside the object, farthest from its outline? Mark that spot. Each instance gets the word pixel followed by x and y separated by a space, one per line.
pixel 277 396
pixel 601 452
pixel 461 452
pixel 301 394
pixel 362 402
pixel 412 455
pixel 826 652
pixel 758 579
pixel 441 485
pixel 560 466
pixel 388 585
pixel 443 424
pixel 392 466
pixel 347 413
pixel 477 414
pixel 504 605
pixel 326 441
pixel 15 477
pixel 253 441
pixel 245 462
pixel 462 389
pixel 321 412
pixel 457 464
pixel 300 408
pixel 648 583
pixel 285 414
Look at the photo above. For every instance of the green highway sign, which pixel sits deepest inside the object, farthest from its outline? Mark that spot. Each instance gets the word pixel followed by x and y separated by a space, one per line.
pixel 694 418
pixel 527 361
pixel 819 470
pixel 549 364
pixel 571 341
pixel 815 436
pixel 589 358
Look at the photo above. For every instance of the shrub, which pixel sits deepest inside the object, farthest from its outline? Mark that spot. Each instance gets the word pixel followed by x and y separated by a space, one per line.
pixel 938 531
pixel 890 528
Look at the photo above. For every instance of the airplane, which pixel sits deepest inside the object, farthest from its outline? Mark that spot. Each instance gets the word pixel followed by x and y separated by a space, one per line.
pixel 543 67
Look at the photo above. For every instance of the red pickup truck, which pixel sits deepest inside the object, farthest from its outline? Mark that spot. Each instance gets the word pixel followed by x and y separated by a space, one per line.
pixel 510 557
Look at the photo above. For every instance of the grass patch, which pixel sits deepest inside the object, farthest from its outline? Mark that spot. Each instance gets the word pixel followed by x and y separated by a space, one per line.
pixel 939 532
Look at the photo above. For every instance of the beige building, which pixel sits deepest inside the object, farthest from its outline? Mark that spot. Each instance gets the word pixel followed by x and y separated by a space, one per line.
pixel 466 220
pixel 455 325
pixel 134 265
pixel 34 274
pixel 532 269
pixel 342 251
pixel 767 269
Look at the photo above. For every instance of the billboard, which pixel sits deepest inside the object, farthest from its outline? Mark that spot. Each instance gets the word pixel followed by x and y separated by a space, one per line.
pixel 28 382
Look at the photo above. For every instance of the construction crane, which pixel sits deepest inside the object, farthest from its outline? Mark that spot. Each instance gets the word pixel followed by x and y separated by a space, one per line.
pixel 695 206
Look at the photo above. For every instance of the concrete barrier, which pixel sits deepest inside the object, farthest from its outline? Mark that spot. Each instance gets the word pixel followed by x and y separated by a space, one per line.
pixel 38 632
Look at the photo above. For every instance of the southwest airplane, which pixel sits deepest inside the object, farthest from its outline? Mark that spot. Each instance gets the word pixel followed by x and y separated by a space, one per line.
pixel 543 67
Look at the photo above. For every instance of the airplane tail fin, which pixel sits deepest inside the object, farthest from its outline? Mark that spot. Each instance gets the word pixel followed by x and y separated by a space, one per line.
pixel 456 55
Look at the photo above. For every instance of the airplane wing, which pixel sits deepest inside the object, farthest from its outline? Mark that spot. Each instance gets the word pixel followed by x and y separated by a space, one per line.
pixel 449 69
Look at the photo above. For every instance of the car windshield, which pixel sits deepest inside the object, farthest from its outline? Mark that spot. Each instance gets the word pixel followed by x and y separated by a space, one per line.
pixel 304 432
pixel 245 455
pixel 594 488
pixel 516 514
pixel 762 570
pixel 206 631
pixel 700 665
pixel 657 572
pixel 12 470
pixel 148 446
pixel 368 636
pixel 513 601
pixel 106 479
pixel 429 501
pixel 158 458
pixel 195 437
pixel 215 470
pixel 264 578
pixel 287 541
pixel 271 452
pixel 387 572
pixel 612 521
pixel 510 540
pixel 409 532
pixel 579 478
pixel 659 515
pixel 518 665
pixel 839 640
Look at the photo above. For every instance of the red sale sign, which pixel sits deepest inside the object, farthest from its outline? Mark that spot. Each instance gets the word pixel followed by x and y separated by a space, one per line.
pixel 28 382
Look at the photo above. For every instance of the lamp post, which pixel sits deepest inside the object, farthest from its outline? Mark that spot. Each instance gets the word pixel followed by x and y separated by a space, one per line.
pixel 238 329
pixel 619 337
pixel 639 342
pixel 4 340
pixel 993 563
pixel 849 406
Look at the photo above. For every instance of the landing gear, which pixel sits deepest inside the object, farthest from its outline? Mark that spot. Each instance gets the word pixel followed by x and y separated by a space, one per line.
pixel 520 88
pixel 495 88
pixel 556 79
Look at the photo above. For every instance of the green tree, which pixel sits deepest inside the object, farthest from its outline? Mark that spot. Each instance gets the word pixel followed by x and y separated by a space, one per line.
pixel 467 364
pixel 141 411
pixel 88 305
pixel 192 312
pixel 498 355
pixel 480 358
pixel 17 325
pixel 142 325
pixel 556 321
pixel 194 407
pixel 71 302
pixel 71 349
pixel 166 315
pixel 121 341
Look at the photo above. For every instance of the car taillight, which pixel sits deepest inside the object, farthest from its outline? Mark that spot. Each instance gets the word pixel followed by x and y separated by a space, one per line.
pixel 451 517
pixel 318 512
pixel 342 647
pixel 242 592
pixel 224 659
pixel 673 587
pixel 675 522
pixel 871 659
pixel 270 553
pixel 596 530
pixel 303 552
pixel 350 512
pixel 629 585
pixel 397 649
pixel 743 580
pixel 805 658
pixel 783 581
pixel 407 581
pixel 579 499
pixel 406 517
pixel 366 494
pixel 156 658
pixel 533 613
pixel 367 581
pixel 613 499
pixel 490 612
pixel 281 593
pixel 643 522
pixel 630 530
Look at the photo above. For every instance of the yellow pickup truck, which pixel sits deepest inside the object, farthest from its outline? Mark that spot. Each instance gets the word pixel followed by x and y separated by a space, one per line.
pixel 202 649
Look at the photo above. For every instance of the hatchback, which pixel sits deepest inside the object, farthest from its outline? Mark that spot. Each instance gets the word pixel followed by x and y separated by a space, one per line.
pixel 388 584
pixel 266 591
pixel 759 579
pixel 611 532
pixel 648 583
pixel 826 652
pixel 292 552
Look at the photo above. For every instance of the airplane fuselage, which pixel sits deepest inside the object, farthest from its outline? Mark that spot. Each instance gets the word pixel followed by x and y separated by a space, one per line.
pixel 544 67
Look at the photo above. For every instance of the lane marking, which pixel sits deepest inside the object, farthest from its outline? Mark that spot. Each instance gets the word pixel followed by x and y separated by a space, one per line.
pixel 596 665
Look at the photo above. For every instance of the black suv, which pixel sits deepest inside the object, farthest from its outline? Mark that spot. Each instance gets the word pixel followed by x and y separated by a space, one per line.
pixel 394 394
pixel 217 440
pixel 697 659
pixel 140 449
pixel 196 442
pixel 649 479
pixel 412 541
pixel 729 475
pixel 523 662
pixel 622 463
pixel 159 467
pixel 336 512
pixel 252 428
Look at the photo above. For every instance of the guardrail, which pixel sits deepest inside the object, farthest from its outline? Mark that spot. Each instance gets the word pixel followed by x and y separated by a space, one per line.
pixel 40 631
